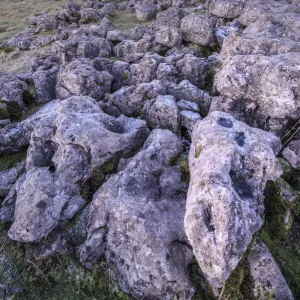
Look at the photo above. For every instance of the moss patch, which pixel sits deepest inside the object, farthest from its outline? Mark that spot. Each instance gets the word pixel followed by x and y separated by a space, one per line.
pixel 240 283
pixel 287 256
pixel 198 151
pixel 10 160
pixel 285 245
pixel 12 111
pixel 181 160
pixel 278 208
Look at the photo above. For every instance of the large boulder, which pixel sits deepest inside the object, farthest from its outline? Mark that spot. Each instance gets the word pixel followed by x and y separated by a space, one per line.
pixel 15 137
pixel 145 11
pixel 198 29
pixel 194 69
pixel 268 86
pixel 64 150
pixel 80 78
pixel 44 76
pixel 230 164
pixel 162 112
pixel 136 221
pixel 168 36
pixel 13 89
pixel 131 51
pixel 229 9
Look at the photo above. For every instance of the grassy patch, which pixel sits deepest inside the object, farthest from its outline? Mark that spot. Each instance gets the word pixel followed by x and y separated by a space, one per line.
pixel 13 14
pixel 55 278
pixel 10 160
pixel 125 21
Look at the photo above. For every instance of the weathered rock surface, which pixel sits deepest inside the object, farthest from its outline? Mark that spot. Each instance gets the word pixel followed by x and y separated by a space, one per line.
pixel 230 164
pixel 12 89
pixel 136 220
pixel 261 63
pixel 198 29
pixel 269 85
pixel 107 62
pixel 63 152
pixel 80 78
pixel 268 279
pixel 162 113
pixel 292 153
pixel 15 137
pixel 9 177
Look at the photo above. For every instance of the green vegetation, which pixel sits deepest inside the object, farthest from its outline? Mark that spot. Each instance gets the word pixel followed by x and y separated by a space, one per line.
pixel 198 151
pixel 58 277
pixel 287 255
pixel 7 50
pixel 283 240
pixel 182 161
pixel 240 283
pixel 10 160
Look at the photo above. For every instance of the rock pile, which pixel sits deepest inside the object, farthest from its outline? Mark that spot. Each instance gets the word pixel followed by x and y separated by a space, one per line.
pixel 118 108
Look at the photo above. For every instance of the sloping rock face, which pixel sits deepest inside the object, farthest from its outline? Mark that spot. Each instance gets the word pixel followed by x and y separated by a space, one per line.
pixel 136 220
pixel 230 164
pixel 64 149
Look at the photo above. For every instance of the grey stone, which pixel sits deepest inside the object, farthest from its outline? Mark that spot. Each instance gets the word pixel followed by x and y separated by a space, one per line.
pixel 198 29
pixel 142 208
pixel 268 83
pixel 145 11
pixel 188 105
pixel 9 177
pixel 189 119
pixel 162 113
pixel 268 279
pixel 168 36
pixel 230 164
pixel 64 149
pixel 292 153
pixel 81 78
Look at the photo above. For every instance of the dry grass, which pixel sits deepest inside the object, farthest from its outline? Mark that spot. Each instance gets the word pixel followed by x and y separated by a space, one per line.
pixel 13 14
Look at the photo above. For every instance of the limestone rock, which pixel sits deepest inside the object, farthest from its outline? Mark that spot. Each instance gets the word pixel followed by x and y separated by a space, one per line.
pixel 136 220
pixel 63 152
pixel 197 29
pixel 168 36
pixel 230 164
pixel 268 83
pixel 145 11
pixel 162 113
pixel 80 78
